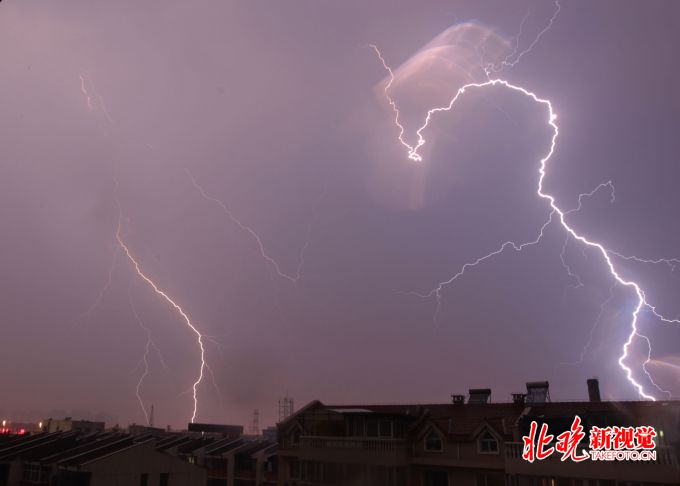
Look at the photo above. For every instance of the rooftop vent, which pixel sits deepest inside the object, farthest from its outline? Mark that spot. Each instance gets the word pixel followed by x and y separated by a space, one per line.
pixel 479 395
pixel 537 392
pixel 458 399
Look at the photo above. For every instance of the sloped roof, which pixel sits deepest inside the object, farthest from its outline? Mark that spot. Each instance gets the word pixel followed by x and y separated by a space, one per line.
pixel 98 451
pixel 68 448
pixel 461 421
pixel 34 447
pixel 172 441
pixel 85 445
pixel 193 444
pixel 223 446
pixel 250 448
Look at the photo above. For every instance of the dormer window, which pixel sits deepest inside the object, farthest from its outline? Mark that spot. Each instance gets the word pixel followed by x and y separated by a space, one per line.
pixel 433 442
pixel 488 444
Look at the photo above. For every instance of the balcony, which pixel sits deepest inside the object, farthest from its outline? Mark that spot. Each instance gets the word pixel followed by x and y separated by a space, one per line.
pixel 372 445
pixel 348 449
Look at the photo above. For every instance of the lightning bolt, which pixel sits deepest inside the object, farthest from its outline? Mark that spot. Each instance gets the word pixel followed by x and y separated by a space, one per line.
pixel 507 62
pixel 86 94
pixel 567 267
pixel 292 277
pixel 518 247
pixel 581 197
pixel 670 262
pixel 555 211
pixel 93 102
pixel 215 385
pixel 86 80
pixel 164 296
pixel 145 358
pixel 594 327
pixel 310 227
pixel 102 291
pixel 393 104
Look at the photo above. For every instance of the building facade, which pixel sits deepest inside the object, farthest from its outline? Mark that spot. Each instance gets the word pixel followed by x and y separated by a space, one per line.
pixel 467 443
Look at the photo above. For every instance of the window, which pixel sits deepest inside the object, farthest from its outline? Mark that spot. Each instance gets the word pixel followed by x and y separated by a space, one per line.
pixel 32 473
pixel 371 428
pixel 357 426
pixel 435 478
pixel 295 437
pixel 385 428
pixel 164 479
pixel 658 438
pixel 490 479
pixel 216 482
pixel 433 442
pixel 144 479
pixel 295 470
pixel 488 444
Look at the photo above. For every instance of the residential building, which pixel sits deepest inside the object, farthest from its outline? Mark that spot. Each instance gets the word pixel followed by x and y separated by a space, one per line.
pixel 68 424
pixel 77 459
pixel 473 443
pixel 243 461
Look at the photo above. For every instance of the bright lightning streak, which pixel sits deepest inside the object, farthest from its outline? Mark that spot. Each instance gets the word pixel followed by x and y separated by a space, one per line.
pixel 393 104
pixel 412 152
pixel 173 304
pixel 581 197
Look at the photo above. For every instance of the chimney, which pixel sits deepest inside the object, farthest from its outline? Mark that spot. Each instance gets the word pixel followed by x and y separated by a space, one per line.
pixel 519 398
pixel 458 399
pixel 479 395
pixel 594 390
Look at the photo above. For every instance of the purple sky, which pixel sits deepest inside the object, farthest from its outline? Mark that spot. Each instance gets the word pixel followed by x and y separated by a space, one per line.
pixel 276 109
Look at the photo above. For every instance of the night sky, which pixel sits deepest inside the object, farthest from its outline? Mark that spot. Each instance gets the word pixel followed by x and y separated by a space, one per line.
pixel 156 118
